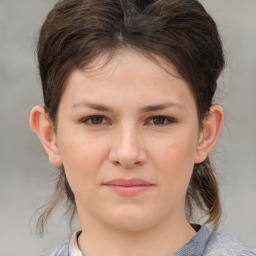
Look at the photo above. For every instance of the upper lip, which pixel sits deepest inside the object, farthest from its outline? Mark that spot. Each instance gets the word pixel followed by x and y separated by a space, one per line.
pixel 128 182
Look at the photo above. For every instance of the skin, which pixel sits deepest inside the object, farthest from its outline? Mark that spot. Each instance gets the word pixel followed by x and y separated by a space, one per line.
pixel 127 140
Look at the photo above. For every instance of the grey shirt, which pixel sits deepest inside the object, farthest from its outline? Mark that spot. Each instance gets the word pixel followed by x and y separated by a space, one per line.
pixel 204 243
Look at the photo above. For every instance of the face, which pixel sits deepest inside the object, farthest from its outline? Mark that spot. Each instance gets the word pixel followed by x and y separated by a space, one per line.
pixel 128 138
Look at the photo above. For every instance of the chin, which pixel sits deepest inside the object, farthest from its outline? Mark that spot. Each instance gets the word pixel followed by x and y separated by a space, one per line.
pixel 131 220
pixel 131 225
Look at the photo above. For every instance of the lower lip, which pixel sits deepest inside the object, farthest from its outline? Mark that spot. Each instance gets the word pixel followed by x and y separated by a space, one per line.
pixel 129 190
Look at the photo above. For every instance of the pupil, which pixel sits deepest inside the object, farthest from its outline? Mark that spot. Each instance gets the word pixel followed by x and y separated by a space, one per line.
pixel 97 120
pixel 158 120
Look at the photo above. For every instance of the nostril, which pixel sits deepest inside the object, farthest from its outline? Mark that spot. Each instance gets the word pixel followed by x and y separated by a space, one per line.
pixel 117 163
pixel 127 165
pixel 128 155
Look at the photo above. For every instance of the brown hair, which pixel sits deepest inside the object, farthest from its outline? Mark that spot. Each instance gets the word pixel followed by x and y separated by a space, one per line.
pixel 75 32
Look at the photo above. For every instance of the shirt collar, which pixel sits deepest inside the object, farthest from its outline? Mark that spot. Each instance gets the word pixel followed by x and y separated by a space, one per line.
pixel 73 246
pixel 193 246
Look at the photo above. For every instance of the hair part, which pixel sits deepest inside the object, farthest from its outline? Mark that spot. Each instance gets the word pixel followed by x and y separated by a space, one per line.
pixel 180 32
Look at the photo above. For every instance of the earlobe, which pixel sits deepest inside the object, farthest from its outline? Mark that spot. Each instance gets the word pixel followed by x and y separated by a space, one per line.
pixel 210 132
pixel 44 129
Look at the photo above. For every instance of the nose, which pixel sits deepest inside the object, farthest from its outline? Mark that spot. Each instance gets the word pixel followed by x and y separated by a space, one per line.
pixel 127 149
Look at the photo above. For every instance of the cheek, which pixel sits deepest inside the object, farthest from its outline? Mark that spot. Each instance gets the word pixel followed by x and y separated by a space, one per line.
pixel 82 159
pixel 176 150
pixel 175 160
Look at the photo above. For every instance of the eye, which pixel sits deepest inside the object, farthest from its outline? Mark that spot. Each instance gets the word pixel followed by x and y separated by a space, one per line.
pixel 95 120
pixel 161 120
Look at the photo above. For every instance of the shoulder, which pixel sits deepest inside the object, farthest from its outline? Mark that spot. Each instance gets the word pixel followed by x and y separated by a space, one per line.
pixel 60 250
pixel 220 244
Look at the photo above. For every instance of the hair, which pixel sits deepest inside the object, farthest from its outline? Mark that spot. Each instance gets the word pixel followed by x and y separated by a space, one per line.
pixel 181 32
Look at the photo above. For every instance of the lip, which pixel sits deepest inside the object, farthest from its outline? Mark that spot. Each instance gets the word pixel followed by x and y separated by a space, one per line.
pixel 130 187
pixel 128 183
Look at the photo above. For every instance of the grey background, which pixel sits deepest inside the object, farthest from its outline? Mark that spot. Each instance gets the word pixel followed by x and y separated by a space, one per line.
pixel 26 177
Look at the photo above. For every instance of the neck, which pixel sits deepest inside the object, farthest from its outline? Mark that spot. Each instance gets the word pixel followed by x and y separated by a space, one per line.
pixel 164 239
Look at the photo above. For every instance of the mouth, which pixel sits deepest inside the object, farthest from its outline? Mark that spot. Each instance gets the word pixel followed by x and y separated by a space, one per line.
pixel 129 187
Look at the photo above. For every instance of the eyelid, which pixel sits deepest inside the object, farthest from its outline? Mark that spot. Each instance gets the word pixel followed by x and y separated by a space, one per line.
pixel 86 119
pixel 149 121
pixel 170 120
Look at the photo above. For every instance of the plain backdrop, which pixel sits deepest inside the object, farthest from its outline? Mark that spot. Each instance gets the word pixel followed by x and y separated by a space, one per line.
pixel 26 177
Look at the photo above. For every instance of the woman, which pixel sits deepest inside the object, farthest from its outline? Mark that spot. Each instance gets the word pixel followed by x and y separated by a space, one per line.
pixel 129 120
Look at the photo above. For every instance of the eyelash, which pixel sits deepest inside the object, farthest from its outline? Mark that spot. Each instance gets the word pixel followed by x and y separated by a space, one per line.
pixel 88 120
pixel 166 120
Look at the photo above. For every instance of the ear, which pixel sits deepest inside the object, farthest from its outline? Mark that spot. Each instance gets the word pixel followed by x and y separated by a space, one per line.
pixel 209 133
pixel 44 129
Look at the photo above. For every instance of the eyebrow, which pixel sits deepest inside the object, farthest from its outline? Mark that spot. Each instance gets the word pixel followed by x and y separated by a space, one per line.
pixel 150 108
pixel 162 106
pixel 95 106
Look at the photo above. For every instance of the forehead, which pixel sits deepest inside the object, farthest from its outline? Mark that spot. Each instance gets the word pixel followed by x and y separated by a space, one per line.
pixel 107 60
pixel 128 73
